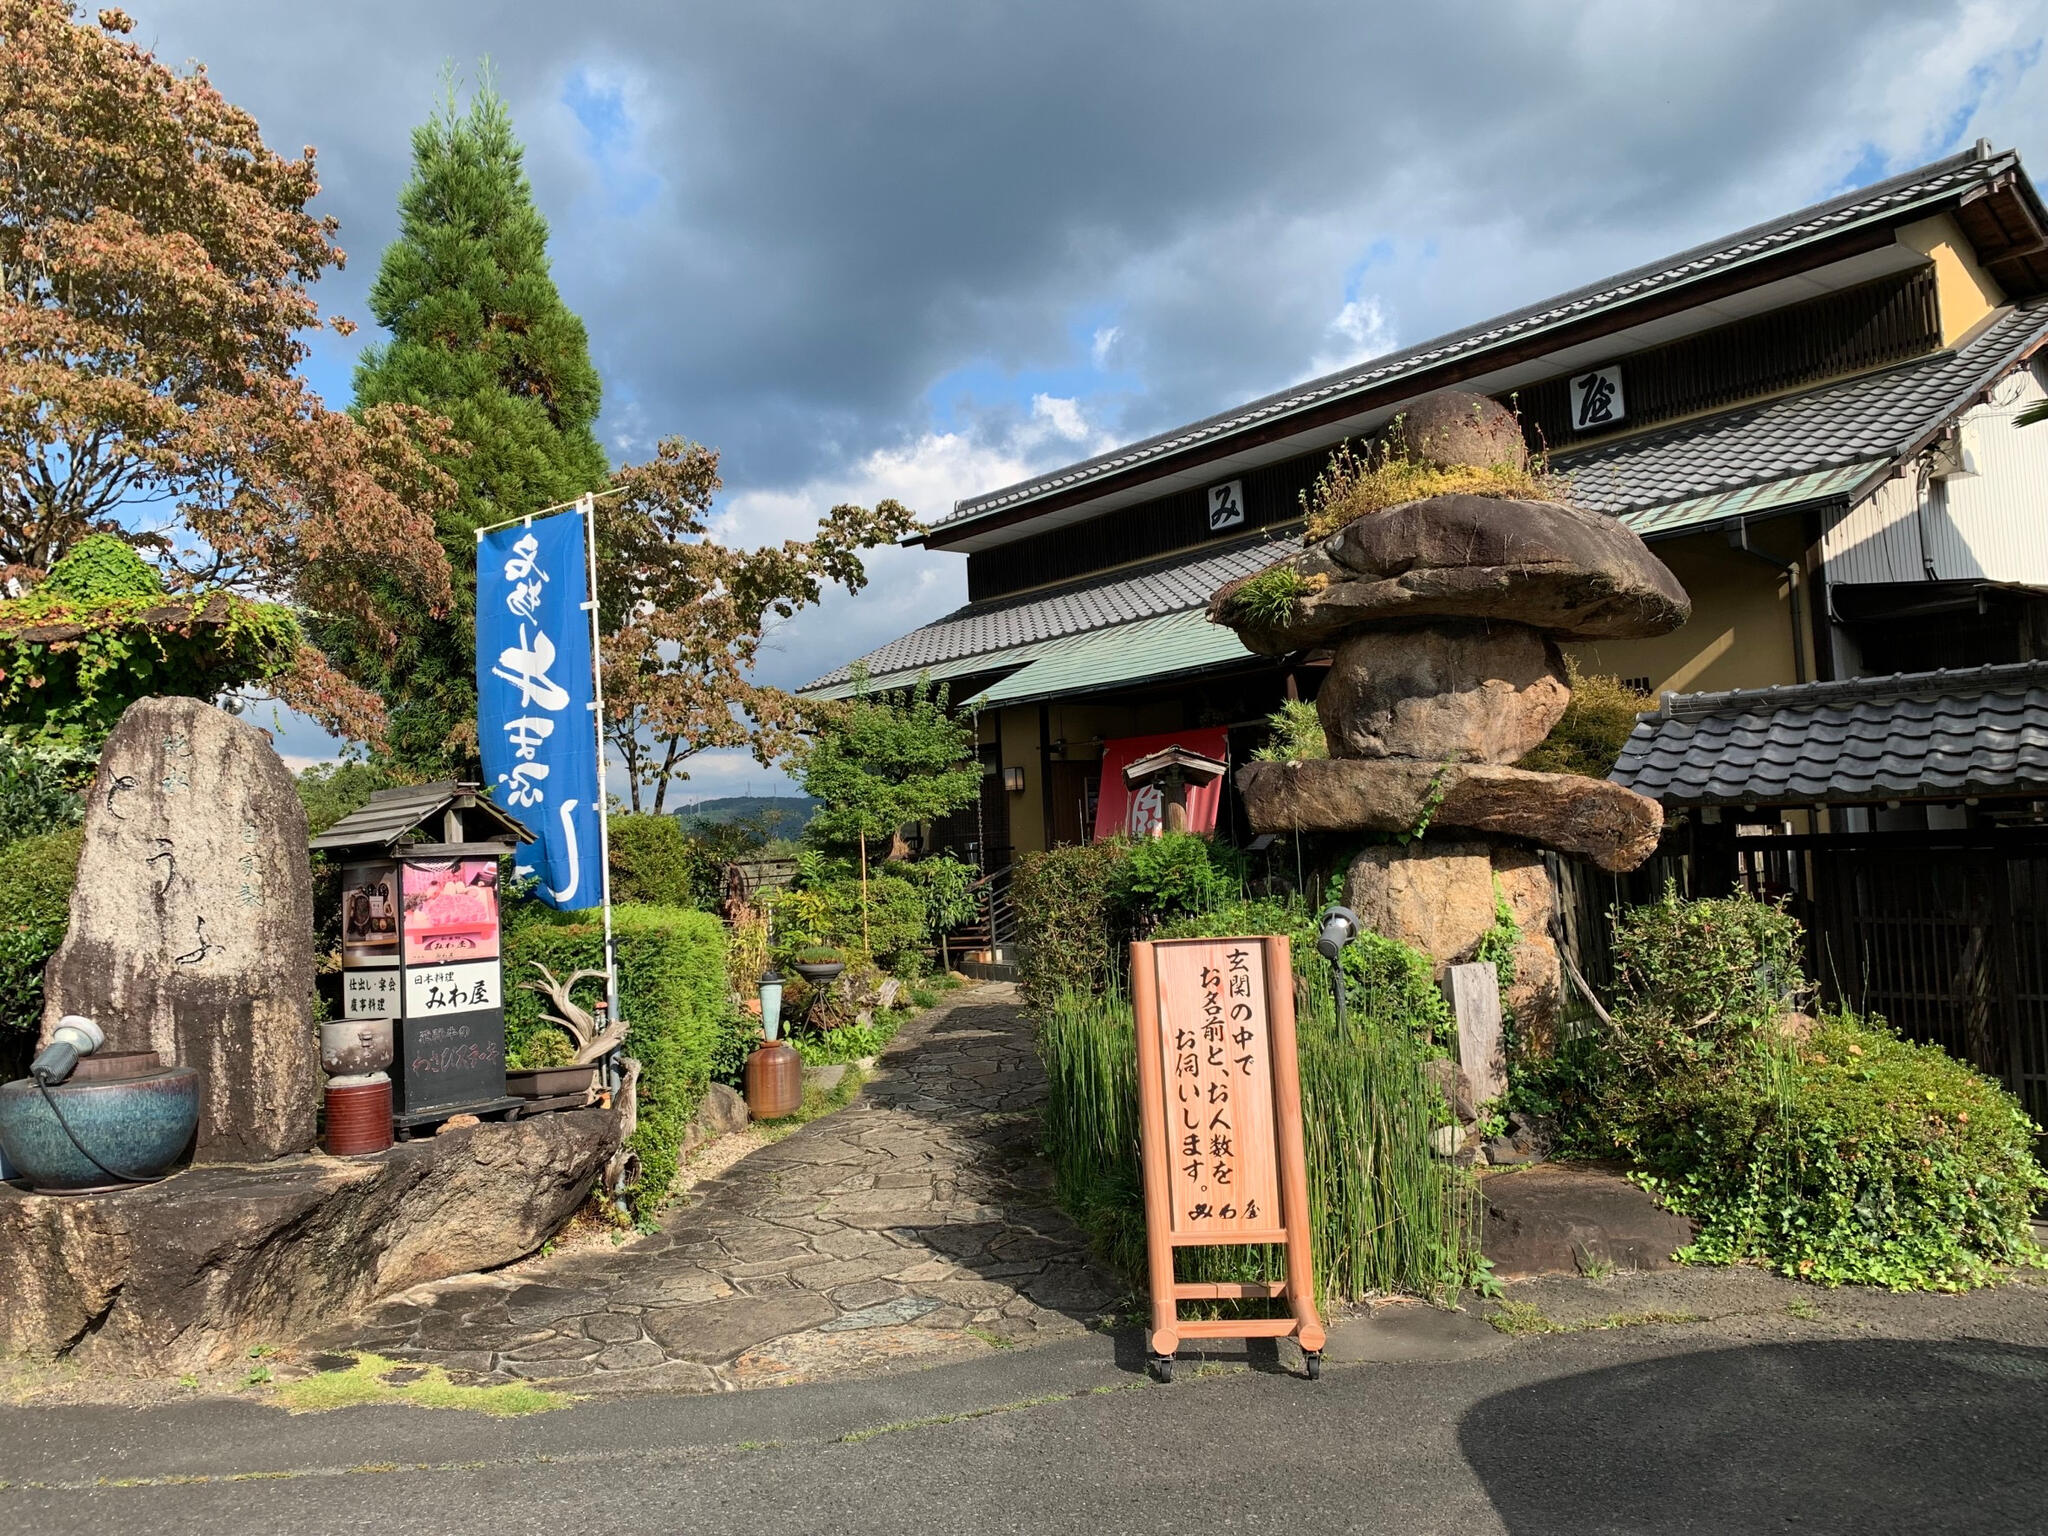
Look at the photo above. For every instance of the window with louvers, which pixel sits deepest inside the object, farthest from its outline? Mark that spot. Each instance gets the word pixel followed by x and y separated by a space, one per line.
pixel 1890 321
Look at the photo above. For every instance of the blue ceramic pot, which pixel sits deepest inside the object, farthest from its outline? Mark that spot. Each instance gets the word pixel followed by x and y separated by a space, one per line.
pixel 137 1126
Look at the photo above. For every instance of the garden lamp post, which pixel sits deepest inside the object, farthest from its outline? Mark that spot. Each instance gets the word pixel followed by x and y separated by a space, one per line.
pixel 1336 926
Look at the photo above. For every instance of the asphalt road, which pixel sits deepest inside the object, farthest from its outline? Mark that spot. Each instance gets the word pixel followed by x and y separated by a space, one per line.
pixel 1939 1424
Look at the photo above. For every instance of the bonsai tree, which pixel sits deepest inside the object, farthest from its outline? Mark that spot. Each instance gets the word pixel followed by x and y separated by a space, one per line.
pixel 101 631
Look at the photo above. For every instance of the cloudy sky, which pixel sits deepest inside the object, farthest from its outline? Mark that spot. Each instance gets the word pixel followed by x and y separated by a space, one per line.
pixel 925 249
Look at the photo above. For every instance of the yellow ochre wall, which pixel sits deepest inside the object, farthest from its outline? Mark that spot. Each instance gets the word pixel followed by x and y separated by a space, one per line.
pixel 1740 632
pixel 1015 730
pixel 1965 292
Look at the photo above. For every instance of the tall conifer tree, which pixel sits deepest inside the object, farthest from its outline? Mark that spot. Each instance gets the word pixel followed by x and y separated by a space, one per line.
pixel 480 335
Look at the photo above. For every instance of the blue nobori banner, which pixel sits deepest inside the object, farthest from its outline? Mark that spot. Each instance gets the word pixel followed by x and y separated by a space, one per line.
pixel 535 697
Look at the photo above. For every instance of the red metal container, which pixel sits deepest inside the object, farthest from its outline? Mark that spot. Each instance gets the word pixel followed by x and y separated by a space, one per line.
pixel 358 1117
pixel 775 1081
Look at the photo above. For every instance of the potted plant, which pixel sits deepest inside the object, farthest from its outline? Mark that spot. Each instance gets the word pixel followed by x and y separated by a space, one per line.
pixel 818 964
pixel 595 1036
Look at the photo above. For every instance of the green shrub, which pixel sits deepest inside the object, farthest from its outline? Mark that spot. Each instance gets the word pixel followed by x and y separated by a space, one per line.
pixel 1594 727
pixel 831 913
pixel 1699 976
pixel 672 988
pixel 1298 735
pixel 652 862
pixel 36 874
pixel 849 1042
pixel 34 795
pixel 945 885
pixel 739 1032
pixel 1070 930
pixel 1857 1158
pixel 1176 873
pixel 1837 1153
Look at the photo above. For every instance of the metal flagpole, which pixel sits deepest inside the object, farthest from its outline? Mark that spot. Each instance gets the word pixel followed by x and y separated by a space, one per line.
pixel 587 505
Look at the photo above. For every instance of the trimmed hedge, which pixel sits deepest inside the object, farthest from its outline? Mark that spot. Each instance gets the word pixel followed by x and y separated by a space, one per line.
pixel 36 874
pixel 1071 931
pixel 672 986
pixel 652 861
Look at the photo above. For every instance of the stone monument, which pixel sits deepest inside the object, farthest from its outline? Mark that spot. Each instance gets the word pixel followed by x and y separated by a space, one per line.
pixel 1444 617
pixel 192 923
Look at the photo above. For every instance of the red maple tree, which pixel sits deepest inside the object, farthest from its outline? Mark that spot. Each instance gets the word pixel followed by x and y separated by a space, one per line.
pixel 155 260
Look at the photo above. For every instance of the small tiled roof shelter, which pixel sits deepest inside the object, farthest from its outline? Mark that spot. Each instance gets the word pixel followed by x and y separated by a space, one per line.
pixel 1923 884
pixel 1914 736
pixel 445 819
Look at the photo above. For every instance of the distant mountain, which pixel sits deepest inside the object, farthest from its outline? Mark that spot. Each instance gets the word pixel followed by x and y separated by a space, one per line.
pixel 782 815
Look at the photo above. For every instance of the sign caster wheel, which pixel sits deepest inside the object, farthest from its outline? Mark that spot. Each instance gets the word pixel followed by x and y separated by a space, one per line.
pixel 1160 1366
pixel 1312 1362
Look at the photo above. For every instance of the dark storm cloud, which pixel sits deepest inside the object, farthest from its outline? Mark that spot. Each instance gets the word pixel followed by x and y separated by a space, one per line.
pixel 838 204
pixel 814 233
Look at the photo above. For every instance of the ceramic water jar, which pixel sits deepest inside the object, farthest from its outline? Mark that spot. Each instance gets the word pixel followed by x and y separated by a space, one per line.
pixel 133 1116
pixel 355 1047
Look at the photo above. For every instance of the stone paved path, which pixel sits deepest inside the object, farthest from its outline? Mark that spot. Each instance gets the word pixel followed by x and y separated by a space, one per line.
pixel 913 1227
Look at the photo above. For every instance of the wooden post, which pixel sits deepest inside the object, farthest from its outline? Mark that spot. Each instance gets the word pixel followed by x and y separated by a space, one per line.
pixel 1301 1287
pixel 1152 1132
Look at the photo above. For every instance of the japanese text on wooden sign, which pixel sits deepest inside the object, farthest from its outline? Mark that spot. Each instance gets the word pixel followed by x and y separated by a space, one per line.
pixel 1219 1088
pixel 1219 1110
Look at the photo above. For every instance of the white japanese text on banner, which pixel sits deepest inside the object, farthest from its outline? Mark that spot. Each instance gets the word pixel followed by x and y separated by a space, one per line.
pixel 534 697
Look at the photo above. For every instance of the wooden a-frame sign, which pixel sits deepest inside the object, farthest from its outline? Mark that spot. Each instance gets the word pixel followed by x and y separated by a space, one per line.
pixel 1219 1100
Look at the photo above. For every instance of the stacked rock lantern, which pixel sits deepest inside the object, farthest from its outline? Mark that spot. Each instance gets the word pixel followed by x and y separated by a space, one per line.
pixel 1443 616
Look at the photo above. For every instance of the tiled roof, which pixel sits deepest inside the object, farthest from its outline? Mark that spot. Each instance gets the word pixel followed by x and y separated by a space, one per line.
pixel 1173 585
pixel 1824 442
pixel 1942 179
pixel 1916 735
pixel 1875 417
pixel 393 813
pixel 1167 646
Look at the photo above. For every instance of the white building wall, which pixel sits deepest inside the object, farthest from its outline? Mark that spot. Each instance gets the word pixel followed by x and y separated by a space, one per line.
pixel 1990 526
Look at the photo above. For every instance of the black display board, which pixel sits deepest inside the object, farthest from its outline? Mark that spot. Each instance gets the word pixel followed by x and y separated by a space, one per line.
pixel 451 1032
pixel 450 1061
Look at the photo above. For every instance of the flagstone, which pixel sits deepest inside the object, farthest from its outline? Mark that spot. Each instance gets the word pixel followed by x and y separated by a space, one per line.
pixel 871 1240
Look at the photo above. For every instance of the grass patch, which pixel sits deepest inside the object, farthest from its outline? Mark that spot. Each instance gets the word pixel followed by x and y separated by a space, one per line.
pixel 1298 735
pixel 1590 1264
pixel 364 1382
pixel 817 1104
pixel 1519 1318
pixel 1357 482
pixel 1386 1214
pixel 932 1420
pixel 1269 598
pixel 1803 1309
